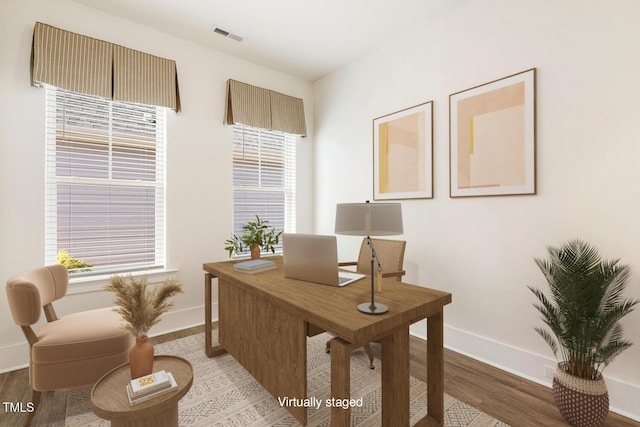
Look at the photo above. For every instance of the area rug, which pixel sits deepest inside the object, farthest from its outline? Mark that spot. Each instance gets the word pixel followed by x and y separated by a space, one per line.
pixel 225 394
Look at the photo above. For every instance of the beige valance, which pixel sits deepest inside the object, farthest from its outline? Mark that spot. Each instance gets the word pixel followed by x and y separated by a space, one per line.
pixel 83 64
pixel 144 79
pixel 263 108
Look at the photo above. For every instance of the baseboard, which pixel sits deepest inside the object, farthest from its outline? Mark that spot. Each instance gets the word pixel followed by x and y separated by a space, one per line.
pixel 177 320
pixel 16 356
pixel 623 397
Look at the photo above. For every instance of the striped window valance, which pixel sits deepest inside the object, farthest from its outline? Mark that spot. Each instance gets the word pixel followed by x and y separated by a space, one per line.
pixel 86 65
pixel 263 108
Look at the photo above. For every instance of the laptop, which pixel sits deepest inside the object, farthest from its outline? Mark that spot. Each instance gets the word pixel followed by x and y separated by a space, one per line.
pixel 314 258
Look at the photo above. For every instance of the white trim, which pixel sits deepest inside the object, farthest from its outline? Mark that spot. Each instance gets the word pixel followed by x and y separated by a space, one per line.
pixel 14 357
pixel 84 284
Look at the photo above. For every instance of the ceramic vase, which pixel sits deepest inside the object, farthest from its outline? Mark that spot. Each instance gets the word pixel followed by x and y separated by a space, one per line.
pixel 255 251
pixel 141 357
pixel 582 402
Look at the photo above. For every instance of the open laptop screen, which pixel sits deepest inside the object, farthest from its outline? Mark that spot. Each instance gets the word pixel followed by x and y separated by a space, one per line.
pixel 314 258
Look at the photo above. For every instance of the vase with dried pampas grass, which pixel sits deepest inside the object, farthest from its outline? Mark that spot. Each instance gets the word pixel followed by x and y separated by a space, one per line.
pixel 141 308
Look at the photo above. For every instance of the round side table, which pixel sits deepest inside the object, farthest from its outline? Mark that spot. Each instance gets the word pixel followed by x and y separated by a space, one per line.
pixel 109 396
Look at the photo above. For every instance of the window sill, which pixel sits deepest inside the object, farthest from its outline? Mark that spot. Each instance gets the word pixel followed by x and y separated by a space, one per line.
pixel 85 284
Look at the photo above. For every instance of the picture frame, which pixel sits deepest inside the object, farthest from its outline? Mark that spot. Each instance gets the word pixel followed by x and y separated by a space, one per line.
pixel 403 154
pixel 492 138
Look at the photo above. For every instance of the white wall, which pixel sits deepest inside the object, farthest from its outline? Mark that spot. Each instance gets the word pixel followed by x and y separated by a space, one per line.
pixel 199 196
pixel 588 145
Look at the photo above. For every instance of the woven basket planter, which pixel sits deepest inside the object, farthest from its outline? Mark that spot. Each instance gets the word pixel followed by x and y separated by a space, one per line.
pixel 582 402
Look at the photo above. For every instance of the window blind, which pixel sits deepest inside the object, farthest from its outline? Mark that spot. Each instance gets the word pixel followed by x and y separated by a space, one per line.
pixel 264 178
pixel 105 182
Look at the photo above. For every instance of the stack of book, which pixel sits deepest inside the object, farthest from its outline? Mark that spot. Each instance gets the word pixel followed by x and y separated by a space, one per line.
pixel 254 266
pixel 144 388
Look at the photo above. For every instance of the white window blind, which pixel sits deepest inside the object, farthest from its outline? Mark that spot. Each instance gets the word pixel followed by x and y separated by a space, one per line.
pixel 264 178
pixel 105 182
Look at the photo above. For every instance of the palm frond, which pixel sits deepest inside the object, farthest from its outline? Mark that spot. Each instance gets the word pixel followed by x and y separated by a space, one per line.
pixel 584 306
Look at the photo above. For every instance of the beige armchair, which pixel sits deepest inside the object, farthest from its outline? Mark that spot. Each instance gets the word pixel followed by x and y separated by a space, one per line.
pixel 70 351
pixel 391 256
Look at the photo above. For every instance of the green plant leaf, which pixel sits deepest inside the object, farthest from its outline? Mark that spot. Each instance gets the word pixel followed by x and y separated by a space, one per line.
pixel 257 232
pixel 583 307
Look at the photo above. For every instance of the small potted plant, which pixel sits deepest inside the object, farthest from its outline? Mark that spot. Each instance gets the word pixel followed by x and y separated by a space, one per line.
pixel 141 308
pixel 582 314
pixel 259 235
pixel 72 264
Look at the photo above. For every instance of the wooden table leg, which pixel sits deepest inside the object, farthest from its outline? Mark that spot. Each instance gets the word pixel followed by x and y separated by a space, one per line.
pixel 395 378
pixel 208 277
pixel 340 380
pixel 209 349
pixel 435 367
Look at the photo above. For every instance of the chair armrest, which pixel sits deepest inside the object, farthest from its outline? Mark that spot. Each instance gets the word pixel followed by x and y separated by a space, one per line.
pixel 397 274
pixel 31 336
pixel 342 264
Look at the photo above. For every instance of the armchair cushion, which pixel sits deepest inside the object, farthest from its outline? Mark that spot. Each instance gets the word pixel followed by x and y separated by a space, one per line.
pixel 88 340
pixel 24 302
pixel 80 336
pixel 28 292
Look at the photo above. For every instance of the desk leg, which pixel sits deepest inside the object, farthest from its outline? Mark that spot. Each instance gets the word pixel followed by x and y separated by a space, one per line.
pixel 340 380
pixel 209 350
pixel 435 367
pixel 395 378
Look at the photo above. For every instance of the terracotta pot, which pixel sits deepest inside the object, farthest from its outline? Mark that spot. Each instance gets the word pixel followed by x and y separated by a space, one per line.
pixel 141 358
pixel 255 251
pixel 582 402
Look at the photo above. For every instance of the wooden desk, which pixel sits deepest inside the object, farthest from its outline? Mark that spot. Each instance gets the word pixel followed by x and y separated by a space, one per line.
pixel 109 397
pixel 264 320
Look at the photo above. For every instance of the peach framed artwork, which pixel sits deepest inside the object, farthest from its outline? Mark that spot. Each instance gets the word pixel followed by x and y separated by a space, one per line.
pixel 492 138
pixel 403 154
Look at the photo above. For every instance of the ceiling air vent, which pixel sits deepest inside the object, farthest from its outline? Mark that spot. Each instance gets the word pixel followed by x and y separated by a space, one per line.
pixel 227 34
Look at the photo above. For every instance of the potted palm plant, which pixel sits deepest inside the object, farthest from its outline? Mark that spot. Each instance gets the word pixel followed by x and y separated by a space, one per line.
pixel 259 235
pixel 582 313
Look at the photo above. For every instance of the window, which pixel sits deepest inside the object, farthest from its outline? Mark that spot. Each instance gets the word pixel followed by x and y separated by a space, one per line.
pixel 105 173
pixel 264 178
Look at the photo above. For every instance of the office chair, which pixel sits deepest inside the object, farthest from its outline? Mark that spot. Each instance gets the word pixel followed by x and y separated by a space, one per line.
pixel 68 351
pixel 391 256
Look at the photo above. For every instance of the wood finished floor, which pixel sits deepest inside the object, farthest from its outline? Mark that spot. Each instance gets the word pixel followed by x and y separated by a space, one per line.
pixel 507 397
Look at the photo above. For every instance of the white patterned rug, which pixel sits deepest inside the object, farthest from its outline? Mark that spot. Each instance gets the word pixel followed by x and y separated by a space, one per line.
pixel 225 394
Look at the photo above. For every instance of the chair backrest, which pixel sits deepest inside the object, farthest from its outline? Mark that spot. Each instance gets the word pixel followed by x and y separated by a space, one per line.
pixel 390 253
pixel 28 293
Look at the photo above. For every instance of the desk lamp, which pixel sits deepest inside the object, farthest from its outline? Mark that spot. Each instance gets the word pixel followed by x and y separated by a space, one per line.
pixel 369 219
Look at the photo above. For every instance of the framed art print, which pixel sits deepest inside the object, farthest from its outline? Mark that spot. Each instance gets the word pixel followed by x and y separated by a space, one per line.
pixel 403 154
pixel 492 138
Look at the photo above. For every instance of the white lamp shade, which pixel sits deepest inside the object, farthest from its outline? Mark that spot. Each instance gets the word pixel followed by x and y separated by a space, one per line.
pixel 369 219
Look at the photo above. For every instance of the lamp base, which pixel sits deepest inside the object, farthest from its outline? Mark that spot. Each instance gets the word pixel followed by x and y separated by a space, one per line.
pixel 366 308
